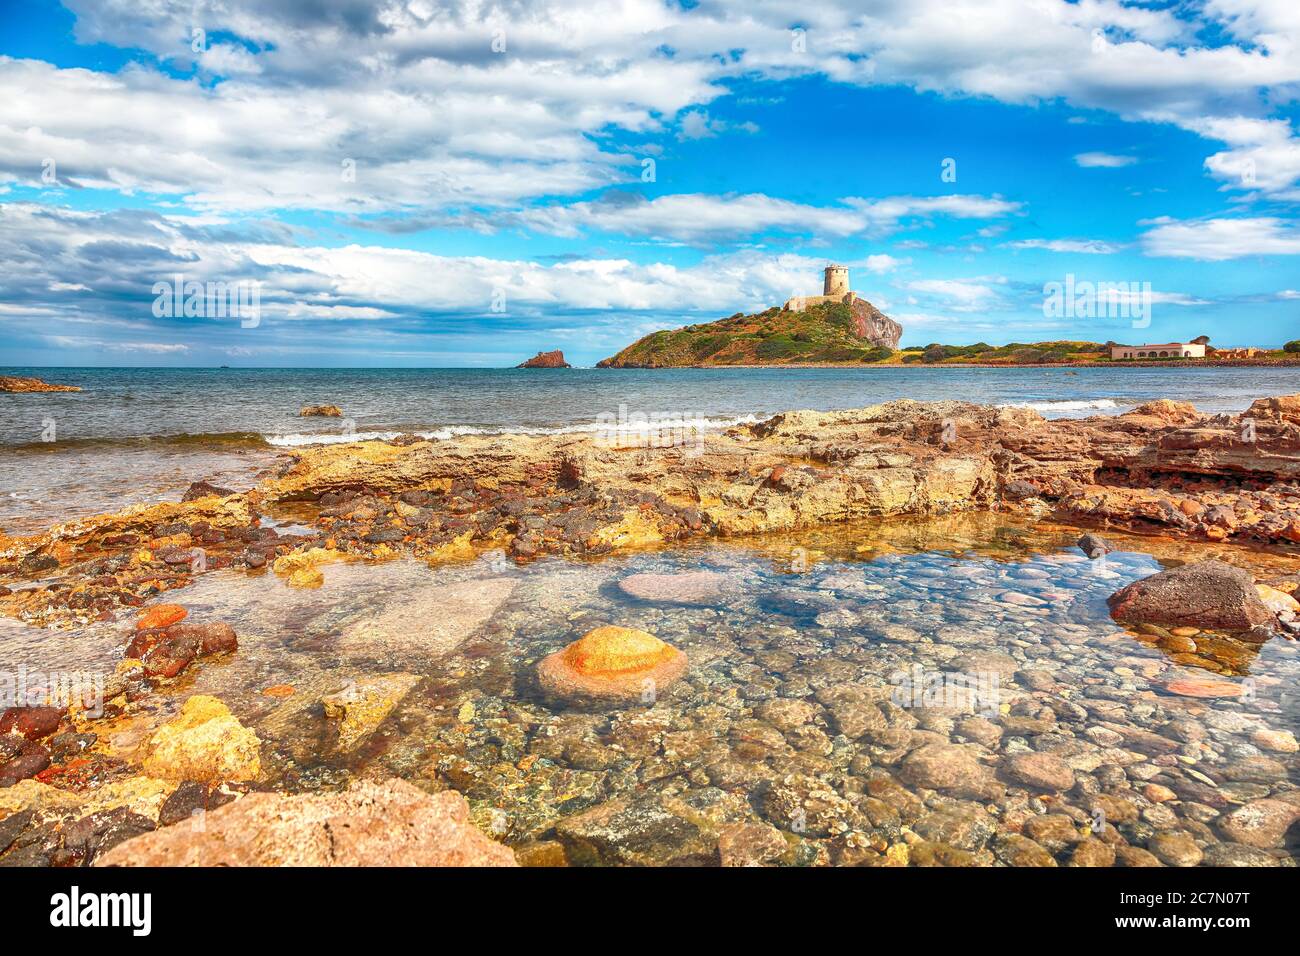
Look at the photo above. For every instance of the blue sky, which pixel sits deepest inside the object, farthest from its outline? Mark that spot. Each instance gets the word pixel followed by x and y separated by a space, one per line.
pixel 444 184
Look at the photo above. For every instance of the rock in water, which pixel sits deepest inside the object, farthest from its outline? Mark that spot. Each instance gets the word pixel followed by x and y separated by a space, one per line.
pixel 371 824
pixel 1207 594
pixel 546 360
pixel 160 615
pixel 320 411
pixel 433 620
pixel 362 707
pixel 13 383
pixel 1094 545
pixel 693 587
pixel 205 489
pixel 203 742
pixel 612 663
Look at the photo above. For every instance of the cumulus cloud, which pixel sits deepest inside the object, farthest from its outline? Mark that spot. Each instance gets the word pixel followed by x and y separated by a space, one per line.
pixel 461 103
pixel 1220 239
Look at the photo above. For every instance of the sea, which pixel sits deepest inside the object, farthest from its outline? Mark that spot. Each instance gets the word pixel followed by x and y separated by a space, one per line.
pixel 141 435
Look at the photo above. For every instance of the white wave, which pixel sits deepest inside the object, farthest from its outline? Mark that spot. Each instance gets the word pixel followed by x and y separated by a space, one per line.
pixel 618 426
pixel 1065 405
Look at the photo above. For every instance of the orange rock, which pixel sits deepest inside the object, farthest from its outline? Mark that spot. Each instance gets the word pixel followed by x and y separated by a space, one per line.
pixel 1203 687
pixel 279 690
pixel 612 663
pixel 160 615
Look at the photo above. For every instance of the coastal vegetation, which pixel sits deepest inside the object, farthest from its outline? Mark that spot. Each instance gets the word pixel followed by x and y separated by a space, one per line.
pixel 826 334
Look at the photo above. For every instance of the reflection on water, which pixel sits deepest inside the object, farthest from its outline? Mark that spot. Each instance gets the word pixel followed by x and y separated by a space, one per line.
pixel 790 715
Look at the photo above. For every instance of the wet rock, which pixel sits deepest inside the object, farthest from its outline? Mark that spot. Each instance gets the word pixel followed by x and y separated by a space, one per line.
pixel 1013 849
pixel 1279 741
pixel 29 760
pixel 160 615
pixel 968 827
pixel 692 587
pixel 432 621
pixel 652 830
pixel 1261 823
pixel 787 714
pixel 949 767
pixel 1094 545
pixel 801 804
pixel 1054 831
pixel 204 489
pixel 1236 854
pixel 87 839
pixel 1092 852
pixel 1207 594
pixel 320 411
pixel 191 799
pixel 363 705
pixel 750 844
pixel 33 723
pixel 390 823
pixel 203 742
pixel 1039 771
pixel 612 663
pixel 930 854
pixel 854 709
pixel 1175 849
pixel 1135 856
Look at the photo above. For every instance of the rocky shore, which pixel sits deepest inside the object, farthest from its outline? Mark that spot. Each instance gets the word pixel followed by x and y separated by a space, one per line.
pixel 753 722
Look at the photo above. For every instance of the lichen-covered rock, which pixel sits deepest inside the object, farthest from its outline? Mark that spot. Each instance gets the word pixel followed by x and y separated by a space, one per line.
pixel 371 824
pixel 203 742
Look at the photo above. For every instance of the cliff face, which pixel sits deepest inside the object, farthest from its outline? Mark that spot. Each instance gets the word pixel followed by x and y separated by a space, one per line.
pixel 874 326
pixel 831 332
pixel 546 360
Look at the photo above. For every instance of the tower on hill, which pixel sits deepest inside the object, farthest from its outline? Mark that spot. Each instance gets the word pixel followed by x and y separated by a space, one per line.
pixel 869 322
pixel 837 281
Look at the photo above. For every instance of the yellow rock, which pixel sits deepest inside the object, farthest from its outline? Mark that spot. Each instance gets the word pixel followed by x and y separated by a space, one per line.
pixel 307 578
pixel 305 560
pixel 362 707
pixel 1277 601
pixel 203 742
pixel 466 713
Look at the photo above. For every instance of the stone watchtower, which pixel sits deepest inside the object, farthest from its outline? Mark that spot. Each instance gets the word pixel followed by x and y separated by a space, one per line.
pixel 837 281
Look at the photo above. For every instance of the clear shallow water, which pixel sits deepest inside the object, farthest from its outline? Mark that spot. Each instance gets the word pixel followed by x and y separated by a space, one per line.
pixel 957 597
pixel 144 434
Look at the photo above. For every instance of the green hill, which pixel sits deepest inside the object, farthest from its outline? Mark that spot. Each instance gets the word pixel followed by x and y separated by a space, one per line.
pixel 824 334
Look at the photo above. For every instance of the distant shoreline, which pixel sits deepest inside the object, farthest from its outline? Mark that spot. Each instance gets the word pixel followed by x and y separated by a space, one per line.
pixel 1128 363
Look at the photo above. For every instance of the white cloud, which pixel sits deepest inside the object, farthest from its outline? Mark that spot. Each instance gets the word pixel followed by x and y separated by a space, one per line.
pixel 1103 160
pixel 962 295
pixel 1096 247
pixel 701 217
pixel 1220 239
pixel 435 119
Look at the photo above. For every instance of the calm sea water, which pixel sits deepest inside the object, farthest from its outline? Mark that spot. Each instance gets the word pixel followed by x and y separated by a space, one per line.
pixel 143 434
